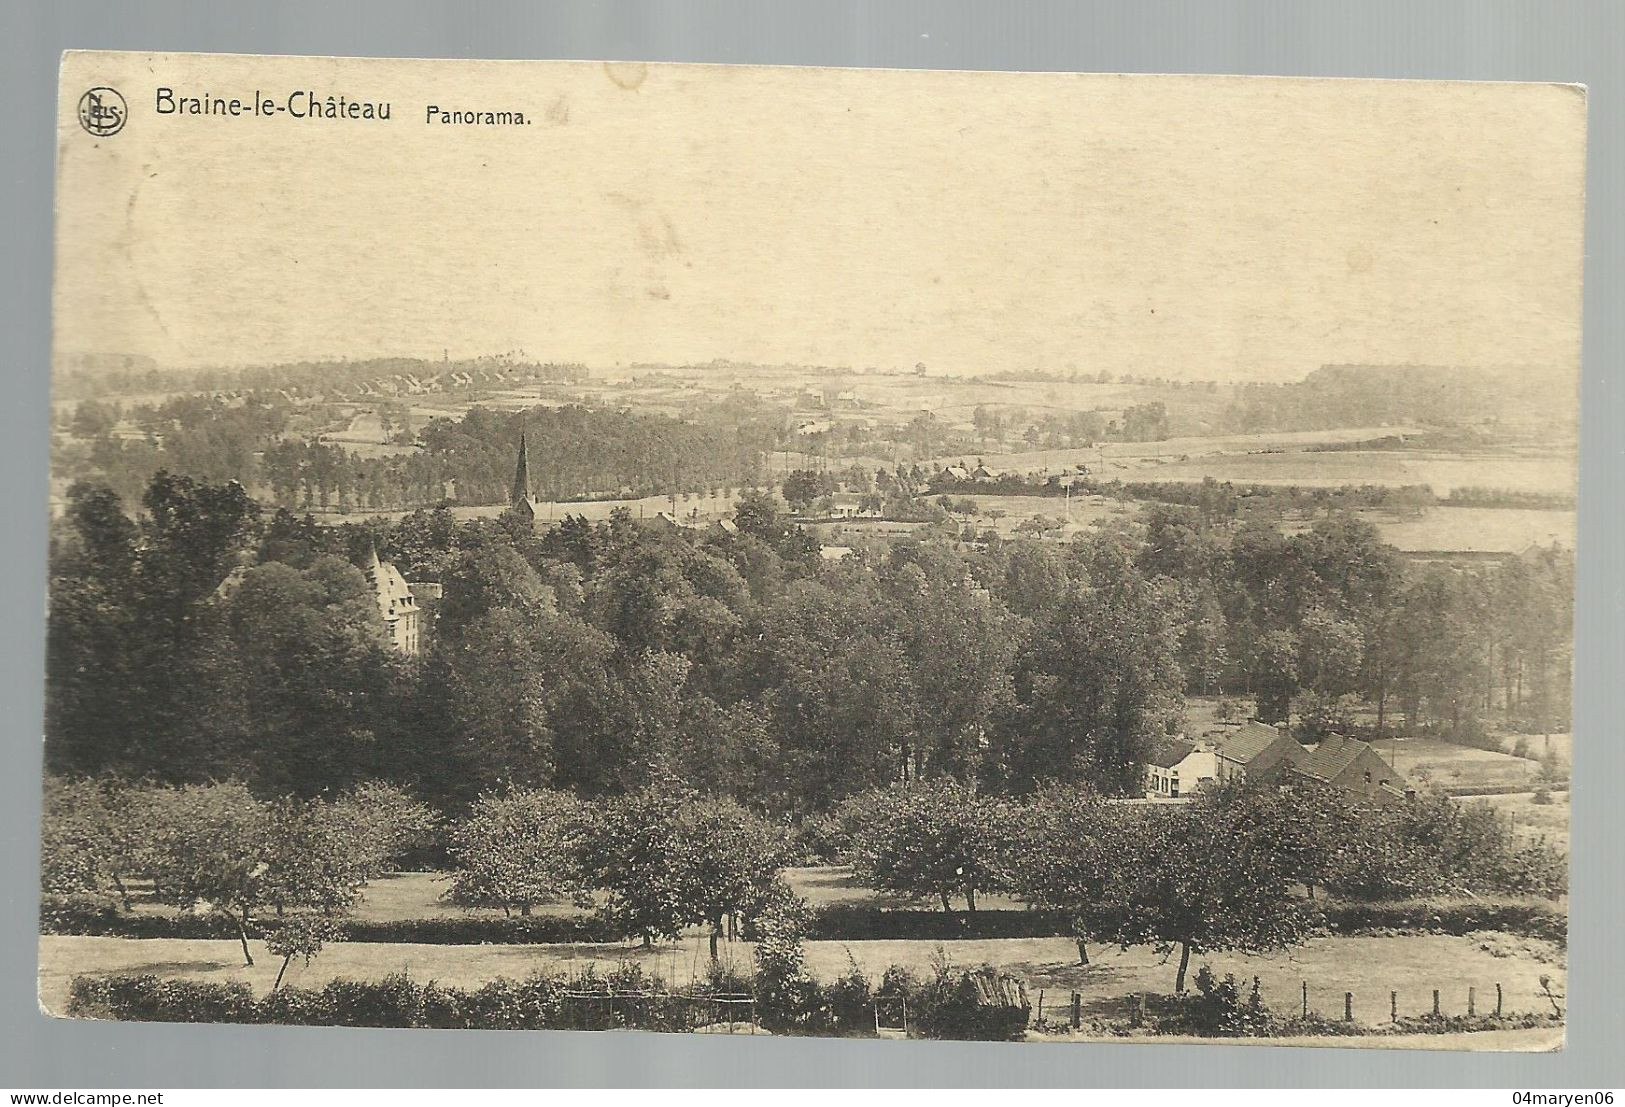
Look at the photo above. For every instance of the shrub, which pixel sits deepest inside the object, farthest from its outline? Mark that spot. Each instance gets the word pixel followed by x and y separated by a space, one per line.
pixel 857 923
pixel 1219 1009
pixel 98 916
pixel 977 1005
pixel 1534 919
pixel 151 999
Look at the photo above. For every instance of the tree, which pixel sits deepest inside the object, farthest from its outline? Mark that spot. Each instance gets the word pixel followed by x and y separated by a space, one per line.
pixel 518 850
pixel 668 858
pixel 1068 852
pixel 933 837
pixel 88 841
pixel 628 852
pixel 384 824
pixel 218 845
pixel 1214 875
pixel 301 936
pixel 1097 685
pixel 313 672
pixel 801 488
pixel 757 514
pixel 727 858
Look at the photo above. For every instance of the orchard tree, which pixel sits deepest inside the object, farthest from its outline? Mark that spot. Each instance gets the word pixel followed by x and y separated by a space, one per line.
pixel 518 850
pixel 384 824
pixel 728 859
pixel 935 837
pixel 1214 875
pixel 88 841
pixel 1068 853
pixel 217 845
pixel 668 858
pixel 629 852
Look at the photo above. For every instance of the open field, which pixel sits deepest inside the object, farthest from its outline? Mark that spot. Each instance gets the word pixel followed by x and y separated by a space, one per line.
pixel 1286 458
pixel 1547 822
pixel 1476 529
pixel 1370 967
pixel 701 506
pixel 1424 760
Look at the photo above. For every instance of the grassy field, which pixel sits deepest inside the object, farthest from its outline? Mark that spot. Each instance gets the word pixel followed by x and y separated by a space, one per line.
pixel 1428 760
pixel 1548 822
pixel 1476 529
pixel 1370 967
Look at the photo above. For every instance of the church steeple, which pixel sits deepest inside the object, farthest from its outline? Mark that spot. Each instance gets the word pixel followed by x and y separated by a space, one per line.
pixel 521 476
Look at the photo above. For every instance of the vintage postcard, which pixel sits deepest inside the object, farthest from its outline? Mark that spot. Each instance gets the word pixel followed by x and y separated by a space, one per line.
pixel 1030 557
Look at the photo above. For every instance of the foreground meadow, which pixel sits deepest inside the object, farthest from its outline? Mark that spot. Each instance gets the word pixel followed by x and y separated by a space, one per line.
pixel 1372 967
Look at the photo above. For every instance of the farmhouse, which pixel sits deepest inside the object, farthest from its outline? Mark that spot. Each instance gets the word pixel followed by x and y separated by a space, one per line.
pixel 955 472
pixel 850 505
pixel 1352 766
pixel 1179 768
pixel 1255 751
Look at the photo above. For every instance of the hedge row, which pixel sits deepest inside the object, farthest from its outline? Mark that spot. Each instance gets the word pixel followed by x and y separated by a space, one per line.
pixel 837 923
pixel 1531 919
pixel 539 1002
pixel 854 923
pixel 628 1001
pixel 624 1000
pixel 104 920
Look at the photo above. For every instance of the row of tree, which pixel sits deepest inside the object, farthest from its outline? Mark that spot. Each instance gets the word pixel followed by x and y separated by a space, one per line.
pixel 200 641
pixel 1226 872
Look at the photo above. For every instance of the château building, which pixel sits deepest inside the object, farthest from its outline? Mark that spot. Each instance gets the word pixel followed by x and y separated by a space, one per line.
pixel 396 602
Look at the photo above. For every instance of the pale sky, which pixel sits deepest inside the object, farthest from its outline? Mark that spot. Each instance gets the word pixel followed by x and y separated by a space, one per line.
pixel 1192 227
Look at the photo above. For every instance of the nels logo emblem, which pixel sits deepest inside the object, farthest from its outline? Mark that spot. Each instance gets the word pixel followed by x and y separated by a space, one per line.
pixel 102 111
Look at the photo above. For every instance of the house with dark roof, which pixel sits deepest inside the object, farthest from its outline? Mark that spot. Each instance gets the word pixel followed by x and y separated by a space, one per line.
pixel 1178 768
pixel 1352 766
pixel 1255 751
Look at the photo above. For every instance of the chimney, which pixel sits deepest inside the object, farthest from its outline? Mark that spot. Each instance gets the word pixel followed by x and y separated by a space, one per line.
pixel 1284 729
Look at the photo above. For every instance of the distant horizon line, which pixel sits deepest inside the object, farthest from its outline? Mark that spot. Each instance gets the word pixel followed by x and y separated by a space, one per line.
pixel 63 361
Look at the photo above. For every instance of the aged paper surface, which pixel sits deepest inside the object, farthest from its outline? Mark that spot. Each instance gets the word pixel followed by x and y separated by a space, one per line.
pixel 641 531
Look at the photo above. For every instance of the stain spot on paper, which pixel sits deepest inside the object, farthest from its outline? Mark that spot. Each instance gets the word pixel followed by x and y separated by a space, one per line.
pixel 628 75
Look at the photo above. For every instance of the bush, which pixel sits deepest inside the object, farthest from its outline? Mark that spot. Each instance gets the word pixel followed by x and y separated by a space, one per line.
pixel 857 923
pixel 1218 1009
pixel 1532 919
pixel 981 1005
pixel 99 916
pixel 151 999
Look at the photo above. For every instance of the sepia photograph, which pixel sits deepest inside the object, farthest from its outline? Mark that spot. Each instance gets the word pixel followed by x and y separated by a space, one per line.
pixel 770 551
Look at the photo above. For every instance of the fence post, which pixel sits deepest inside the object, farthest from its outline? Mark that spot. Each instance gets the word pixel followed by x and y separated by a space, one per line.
pixel 1393 1006
pixel 1306 999
pixel 1142 1010
pixel 1472 1006
pixel 1348 1006
pixel 1435 1003
pixel 1498 1000
pixel 1040 1005
pixel 1077 1010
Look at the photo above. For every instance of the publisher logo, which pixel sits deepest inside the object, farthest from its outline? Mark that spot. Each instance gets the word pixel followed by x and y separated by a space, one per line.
pixel 102 111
